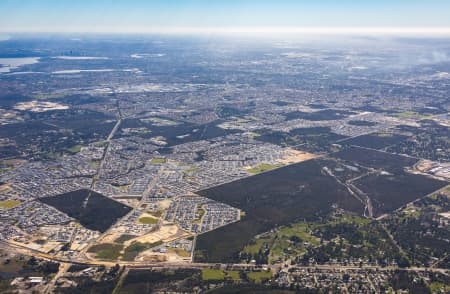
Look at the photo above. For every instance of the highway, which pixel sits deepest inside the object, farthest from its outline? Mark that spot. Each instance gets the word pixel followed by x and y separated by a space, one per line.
pixel 197 265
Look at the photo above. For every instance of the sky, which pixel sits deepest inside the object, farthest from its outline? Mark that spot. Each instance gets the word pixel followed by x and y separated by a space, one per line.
pixel 226 15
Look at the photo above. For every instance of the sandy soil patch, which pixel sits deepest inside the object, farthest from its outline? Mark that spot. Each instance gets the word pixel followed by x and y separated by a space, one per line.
pixel 164 233
pixel 168 256
pixel 40 106
pixel 164 204
pixel 294 156
pixel 5 187
pixel 150 256
pixel 424 165
pixel 110 238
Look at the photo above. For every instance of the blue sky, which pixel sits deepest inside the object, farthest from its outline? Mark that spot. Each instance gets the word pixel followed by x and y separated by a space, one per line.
pixel 140 15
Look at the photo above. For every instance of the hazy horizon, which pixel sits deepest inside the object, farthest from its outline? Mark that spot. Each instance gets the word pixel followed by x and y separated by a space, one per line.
pixel 247 16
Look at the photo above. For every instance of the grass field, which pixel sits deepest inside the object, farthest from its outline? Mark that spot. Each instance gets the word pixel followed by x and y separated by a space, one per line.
pixel 234 275
pixel 137 247
pixel 212 274
pixel 74 149
pixel 158 160
pixel 148 220
pixel 107 251
pixel 201 213
pixel 192 169
pixel 123 238
pixel 258 277
pixel 218 274
pixel 295 239
pixel 94 164
pixel 411 114
pixel 181 252
pixel 299 230
pixel 283 237
pixel 263 167
pixel 435 287
pixel 7 204
pixel 254 248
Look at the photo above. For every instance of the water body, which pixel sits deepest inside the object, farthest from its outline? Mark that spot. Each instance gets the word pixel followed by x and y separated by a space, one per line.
pixel 8 64
pixel 77 71
pixel 80 57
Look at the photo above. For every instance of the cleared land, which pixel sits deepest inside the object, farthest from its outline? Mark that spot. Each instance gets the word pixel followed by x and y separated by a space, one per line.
pixel 7 204
pixel 263 167
pixel 296 156
pixel 164 233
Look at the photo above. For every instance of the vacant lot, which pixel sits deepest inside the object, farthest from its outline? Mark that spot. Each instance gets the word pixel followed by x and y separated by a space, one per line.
pixel 7 204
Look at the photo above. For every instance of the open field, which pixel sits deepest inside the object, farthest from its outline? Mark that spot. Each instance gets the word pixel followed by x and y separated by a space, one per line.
pixel 296 156
pixel 148 220
pixel 263 167
pixel 7 204
pixel 212 274
pixel 74 149
pixel 158 160
pixel 164 233
pixel 133 250
pixel 107 251
pixel 258 277
pixel 218 275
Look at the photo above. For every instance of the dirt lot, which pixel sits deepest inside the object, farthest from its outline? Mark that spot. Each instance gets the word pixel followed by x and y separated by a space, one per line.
pixel 294 156
pixel 165 233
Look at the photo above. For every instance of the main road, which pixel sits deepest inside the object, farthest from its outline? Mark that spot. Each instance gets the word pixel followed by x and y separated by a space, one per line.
pixel 197 265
